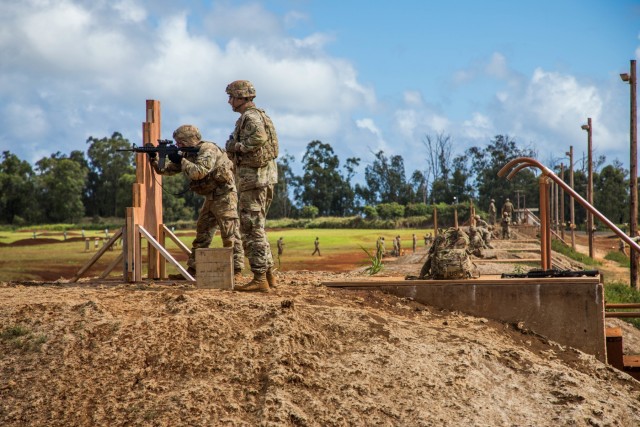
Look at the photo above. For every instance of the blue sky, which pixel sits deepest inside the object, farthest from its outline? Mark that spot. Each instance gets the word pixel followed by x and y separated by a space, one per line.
pixel 362 76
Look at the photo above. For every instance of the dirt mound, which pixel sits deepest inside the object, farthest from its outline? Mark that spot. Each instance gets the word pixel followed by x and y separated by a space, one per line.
pixel 171 354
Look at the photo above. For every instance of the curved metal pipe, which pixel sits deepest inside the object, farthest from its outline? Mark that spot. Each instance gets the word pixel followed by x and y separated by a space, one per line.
pixel 546 171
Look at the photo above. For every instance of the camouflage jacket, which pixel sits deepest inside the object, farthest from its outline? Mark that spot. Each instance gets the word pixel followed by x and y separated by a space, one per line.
pixel 210 171
pixel 253 148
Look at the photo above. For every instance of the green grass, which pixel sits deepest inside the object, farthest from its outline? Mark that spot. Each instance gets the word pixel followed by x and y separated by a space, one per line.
pixel 568 251
pixel 615 292
pixel 618 257
pixel 64 259
pixel 20 337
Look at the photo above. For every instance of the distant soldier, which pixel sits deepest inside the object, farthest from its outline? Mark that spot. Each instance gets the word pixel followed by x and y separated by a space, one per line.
pixel 506 221
pixel 622 247
pixel 280 246
pixel 316 245
pixel 508 208
pixel 379 248
pixel 485 230
pixel 399 245
pixel 492 212
pixel 415 242
pixel 428 238
pixel 382 248
pixel 476 243
pixel 395 247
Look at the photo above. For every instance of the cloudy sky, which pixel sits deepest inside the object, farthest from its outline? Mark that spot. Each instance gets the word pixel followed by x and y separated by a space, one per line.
pixel 362 76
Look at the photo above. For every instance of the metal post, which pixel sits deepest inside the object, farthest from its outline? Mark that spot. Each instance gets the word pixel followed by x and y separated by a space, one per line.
pixel 572 225
pixel 544 222
pixel 633 172
pixel 590 169
pixel 562 224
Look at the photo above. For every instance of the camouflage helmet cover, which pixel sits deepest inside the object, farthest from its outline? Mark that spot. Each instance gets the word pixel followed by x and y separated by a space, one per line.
pixel 241 89
pixel 187 134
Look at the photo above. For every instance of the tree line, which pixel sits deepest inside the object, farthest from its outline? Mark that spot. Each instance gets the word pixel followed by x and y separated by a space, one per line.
pixel 64 188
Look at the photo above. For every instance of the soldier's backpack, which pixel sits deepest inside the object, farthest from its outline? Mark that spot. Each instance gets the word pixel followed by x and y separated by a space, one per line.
pixel 453 264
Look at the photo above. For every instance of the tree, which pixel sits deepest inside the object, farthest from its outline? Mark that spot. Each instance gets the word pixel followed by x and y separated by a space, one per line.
pixel 487 162
pixel 385 181
pixel 174 204
pixel 281 206
pixel 60 183
pixel 610 192
pixel 322 185
pixel 106 165
pixel 18 201
pixel 438 165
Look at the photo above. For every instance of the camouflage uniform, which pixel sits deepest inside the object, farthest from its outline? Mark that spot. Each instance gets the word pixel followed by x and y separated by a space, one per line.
pixel 211 175
pixel 492 212
pixel 485 230
pixel 508 208
pixel 506 221
pixel 253 148
pixel 476 243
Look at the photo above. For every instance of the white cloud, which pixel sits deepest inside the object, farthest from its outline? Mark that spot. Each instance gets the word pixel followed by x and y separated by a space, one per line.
pixel 413 98
pixel 478 127
pixel 497 66
pixel 129 10
pixel 89 67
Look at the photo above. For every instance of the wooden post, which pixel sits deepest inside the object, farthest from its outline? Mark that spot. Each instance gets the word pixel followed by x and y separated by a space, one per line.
pixel 544 222
pixel 435 221
pixel 148 186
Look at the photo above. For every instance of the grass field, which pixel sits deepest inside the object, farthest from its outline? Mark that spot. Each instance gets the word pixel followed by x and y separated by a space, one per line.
pixel 49 257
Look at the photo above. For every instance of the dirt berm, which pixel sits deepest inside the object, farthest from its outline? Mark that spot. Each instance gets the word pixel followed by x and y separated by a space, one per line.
pixel 174 355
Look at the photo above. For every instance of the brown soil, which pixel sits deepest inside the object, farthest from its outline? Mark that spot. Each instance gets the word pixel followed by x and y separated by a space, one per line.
pixel 169 354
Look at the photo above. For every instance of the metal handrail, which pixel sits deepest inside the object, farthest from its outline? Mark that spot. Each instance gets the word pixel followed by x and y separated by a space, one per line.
pixel 524 162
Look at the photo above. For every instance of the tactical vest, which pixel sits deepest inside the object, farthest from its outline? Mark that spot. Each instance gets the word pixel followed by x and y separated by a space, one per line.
pixel 220 178
pixel 263 155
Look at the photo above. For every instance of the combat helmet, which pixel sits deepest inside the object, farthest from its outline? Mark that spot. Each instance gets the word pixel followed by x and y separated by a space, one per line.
pixel 187 134
pixel 241 89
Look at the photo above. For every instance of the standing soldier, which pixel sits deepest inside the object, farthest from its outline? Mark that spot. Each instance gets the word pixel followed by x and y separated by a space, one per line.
pixel 414 242
pixel 316 247
pixel 506 221
pixel 508 209
pixel 280 246
pixel 395 247
pixel 253 148
pixel 492 212
pixel 211 175
pixel 399 245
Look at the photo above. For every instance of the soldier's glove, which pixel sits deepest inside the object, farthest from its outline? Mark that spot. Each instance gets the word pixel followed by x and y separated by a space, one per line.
pixel 152 154
pixel 175 157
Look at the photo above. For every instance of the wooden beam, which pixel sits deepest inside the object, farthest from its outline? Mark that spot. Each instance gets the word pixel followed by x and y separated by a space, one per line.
pixel 165 254
pixel 97 256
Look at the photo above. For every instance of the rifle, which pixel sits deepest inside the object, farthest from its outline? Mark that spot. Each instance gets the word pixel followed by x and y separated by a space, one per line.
pixel 536 273
pixel 163 149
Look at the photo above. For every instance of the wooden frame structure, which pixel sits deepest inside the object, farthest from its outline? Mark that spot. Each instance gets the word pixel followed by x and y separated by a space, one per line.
pixel 143 219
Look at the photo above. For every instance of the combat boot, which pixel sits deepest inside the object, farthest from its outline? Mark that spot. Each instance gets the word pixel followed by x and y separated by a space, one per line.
pixel 271 278
pixel 257 284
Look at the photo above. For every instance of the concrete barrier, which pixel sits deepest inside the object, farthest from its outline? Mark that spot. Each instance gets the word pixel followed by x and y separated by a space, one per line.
pixel 569 311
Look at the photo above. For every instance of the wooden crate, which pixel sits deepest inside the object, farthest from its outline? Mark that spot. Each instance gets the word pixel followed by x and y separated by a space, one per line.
pixel 214 268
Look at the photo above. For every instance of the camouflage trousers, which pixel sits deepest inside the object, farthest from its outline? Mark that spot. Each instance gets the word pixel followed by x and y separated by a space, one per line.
pixel 219 212
pixel 254 205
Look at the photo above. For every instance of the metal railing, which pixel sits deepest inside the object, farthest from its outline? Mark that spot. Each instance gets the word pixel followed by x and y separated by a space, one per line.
pixel 516 165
